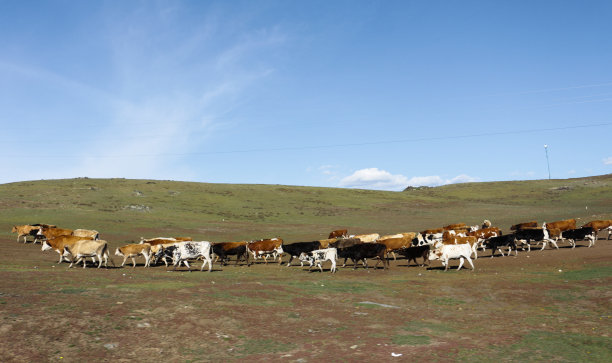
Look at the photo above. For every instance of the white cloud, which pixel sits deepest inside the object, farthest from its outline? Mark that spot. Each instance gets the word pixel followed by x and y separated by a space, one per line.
pixel 374 178
pixel 607 161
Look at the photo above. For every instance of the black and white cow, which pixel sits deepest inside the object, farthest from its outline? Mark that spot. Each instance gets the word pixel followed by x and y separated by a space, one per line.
pixel 525 236
pixel 191 250
pixel 496 243
pixel 577 234
pixel 297 248
pixel 363 252
pixel 317 257
pixel 412 253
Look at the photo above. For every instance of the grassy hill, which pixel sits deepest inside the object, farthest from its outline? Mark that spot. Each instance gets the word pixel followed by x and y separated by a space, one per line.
pixel 124 210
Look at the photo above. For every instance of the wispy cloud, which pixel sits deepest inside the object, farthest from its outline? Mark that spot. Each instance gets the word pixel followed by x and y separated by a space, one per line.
pixel 607 161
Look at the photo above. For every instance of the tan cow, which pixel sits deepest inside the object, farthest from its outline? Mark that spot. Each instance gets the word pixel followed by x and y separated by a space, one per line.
pixel 367 238
pixel 134 250
pixel 88 248
pixel 325 242
pixel 86 233
pixel 25 231
pixel 58 243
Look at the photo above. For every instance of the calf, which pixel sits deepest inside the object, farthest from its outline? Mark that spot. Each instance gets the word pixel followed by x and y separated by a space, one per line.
pixel 225 249
pixel 364 251
pixel 25 231
pixel 296 249
pixel 88 248
pixel 134 250
pixel 317 257
pixel 412 253
pixel 191 250
pixel 447 252
pixel 497 242
pixel 583 233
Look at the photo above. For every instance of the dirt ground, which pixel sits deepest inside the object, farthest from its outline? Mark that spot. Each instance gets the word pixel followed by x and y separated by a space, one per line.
pixel 539 305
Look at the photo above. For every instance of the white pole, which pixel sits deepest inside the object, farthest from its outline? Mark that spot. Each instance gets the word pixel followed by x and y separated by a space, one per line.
pixel 547 163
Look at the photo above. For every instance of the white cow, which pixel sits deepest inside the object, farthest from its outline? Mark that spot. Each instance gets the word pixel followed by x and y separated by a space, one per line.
pixel 317 257
pixel 449 252
pixel 192 250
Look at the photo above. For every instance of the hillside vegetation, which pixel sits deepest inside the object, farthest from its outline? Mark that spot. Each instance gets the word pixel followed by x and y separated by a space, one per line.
pixel 124 210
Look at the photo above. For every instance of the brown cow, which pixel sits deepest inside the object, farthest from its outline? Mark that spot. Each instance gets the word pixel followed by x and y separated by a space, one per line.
pixel 49 233
pixel 598 225
pixel 339 233
pixel 25 231
pixel 432 231
pixel 563 225
pixel 265 247
pixel 397 243
pixel 58 243
pixel 518 226
pixel 455 226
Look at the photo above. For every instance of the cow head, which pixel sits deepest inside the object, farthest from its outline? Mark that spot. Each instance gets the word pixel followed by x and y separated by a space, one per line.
pixel 435 255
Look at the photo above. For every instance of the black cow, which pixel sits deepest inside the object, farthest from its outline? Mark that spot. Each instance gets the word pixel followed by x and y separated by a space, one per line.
pixel 225 249
pixel 495 243
pixel 364 251
pixel 583 233
pixel 411 254
pixel 296 249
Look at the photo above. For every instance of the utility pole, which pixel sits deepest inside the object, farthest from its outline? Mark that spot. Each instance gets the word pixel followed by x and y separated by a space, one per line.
pixel 547 163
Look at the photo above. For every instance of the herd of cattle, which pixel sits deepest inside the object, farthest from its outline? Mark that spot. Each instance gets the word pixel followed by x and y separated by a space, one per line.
pixel 455 241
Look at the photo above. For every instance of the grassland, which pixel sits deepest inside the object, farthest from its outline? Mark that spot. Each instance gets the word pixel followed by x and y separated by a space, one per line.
pixel 551 305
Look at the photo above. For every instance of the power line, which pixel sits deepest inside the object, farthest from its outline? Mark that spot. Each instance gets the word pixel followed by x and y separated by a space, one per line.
pixel 319 147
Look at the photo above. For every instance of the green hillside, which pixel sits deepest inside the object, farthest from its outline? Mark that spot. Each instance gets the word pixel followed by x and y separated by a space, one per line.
pixel 124 209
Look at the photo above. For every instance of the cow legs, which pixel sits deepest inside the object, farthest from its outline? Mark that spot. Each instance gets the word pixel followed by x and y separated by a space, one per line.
pixel 470 262
pixel 461 260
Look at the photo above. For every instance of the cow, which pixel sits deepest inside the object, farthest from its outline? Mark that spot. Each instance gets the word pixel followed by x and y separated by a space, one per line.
pixel 598 225
pixel 339 233
pixel 25 231
pixel 564 225
pixel 583 233
pixel 325 242
pixel 164 240
pixel 432 231
pixel 455 240
pixel 134 250
pixel 413 252
pixel 224 249
pixel 297 248
pixel 497 242
pixel 364 251
pixel 88 248
pixel 484 234
pixel 317 257
pixel 58 243
pixel 48 233
pixel 264 247
pixel 448 252
pixel 519 226
pixel 165 252
pixel 344 243
pixel 190 250
pixel 526 235
pixel 396 243
pixel 86 233
pixel 455 226
pixel 367 238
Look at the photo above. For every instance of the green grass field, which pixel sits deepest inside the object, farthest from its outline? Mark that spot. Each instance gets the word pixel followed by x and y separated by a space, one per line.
pixel 551 305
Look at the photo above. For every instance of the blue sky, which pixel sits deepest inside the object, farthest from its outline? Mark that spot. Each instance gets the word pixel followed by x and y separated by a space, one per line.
pixel 356 94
